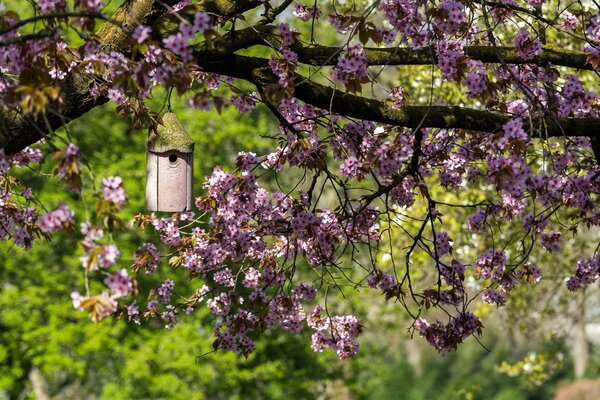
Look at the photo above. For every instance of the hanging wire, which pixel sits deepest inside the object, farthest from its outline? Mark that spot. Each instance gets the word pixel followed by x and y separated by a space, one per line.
pixel 169 99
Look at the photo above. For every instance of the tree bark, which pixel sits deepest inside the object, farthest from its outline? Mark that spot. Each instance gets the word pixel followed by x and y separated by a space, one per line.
pixel 580 346
pixel 39 384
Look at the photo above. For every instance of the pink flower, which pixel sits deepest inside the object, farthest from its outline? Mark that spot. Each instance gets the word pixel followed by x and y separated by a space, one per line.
pixel 251 278
pixel 48 6
pixel 493 297
pixel 442 243
pixel 306 13
pixel 142 33
pixel 58 219
pixel 351 66
pixel 526 47
pixel 351 168
pixel 552 241
pixel 568 21
pixel 113 191
pixel 119 283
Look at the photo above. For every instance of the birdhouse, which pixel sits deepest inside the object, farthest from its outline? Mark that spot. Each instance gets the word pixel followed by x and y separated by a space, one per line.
pixel 169 167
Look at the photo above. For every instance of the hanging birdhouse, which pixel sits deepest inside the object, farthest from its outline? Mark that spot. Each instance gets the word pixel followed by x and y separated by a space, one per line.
pixel 169 167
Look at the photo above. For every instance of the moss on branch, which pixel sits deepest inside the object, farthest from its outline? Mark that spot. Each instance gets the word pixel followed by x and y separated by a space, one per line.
pixel 256 70
pixel 325 55
pixel 318 55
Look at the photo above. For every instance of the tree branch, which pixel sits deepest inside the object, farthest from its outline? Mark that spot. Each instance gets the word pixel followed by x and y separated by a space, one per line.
pixel 18 131
pixel 318 55
pixel 353 106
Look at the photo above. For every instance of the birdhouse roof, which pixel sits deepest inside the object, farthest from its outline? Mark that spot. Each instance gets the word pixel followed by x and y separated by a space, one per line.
pixel 170 136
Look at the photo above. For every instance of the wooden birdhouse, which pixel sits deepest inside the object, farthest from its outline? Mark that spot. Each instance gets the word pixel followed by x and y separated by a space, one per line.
pixel 170 167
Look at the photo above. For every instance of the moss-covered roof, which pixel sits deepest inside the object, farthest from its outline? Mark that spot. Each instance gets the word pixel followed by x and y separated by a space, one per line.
pixel 170 136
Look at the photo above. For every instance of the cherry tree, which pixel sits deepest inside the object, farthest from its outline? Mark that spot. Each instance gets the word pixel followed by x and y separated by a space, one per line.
pixel 407 101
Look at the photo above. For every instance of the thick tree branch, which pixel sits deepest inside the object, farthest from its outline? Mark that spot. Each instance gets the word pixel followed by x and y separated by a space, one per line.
pixel 318 55
pixel 18 131
pixel 255 70
pixel 323 55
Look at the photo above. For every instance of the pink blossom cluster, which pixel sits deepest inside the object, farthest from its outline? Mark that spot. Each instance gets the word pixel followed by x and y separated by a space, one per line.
pixel 94 5
pixel 477 79
pixel 247 161
pixel 113 191
pixel 449 53
pixel 26 157
pixel 442 243
pixel 568 21
pixel 283 67
pixel 357 140
pixel 147 258
pixel 351 66
pixel 453 168
pixel 446 337
pixel 592 27
pixel 251 223
pixel 451 17
pixel 178 42
pixel 337 333
pixel 587 272
pixel 142 33
pixel 120 283
pixel 165 291
pixel 244 102
pixel 408 19
pixel 530 273
pixel 47 6
pixel 170 233
pixel 288 35
pixel 381 280
pixel 551 241
pixel 575 99
pixel 352 168
pixel 398 96
pixel 526 47
pixel 302 119
pixel 306 13
pixel 342 23
pixel 280 69
pixel 14 59
pixel 494 297
pixel 96 256
pixel 240 321
pixel 491 265
pixel 403 194
pixel 514 135
pixel 19 217
pixel 133 312
pixel 56 220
